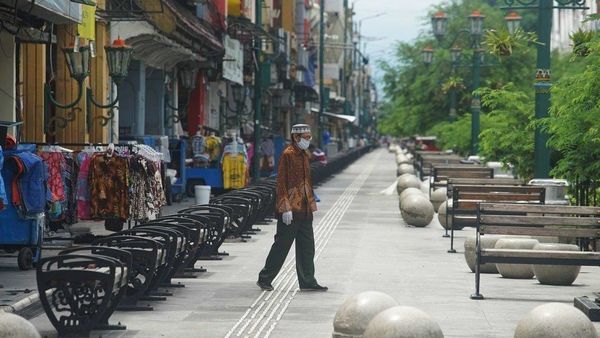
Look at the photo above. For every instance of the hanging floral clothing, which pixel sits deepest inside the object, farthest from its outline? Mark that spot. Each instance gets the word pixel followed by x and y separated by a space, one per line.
pixel 70 182
pixel 234 171
pixel 160 198
pixel 55 161
pixel 83 189
pixel 108 180
pixel 147 194
pixel 212 145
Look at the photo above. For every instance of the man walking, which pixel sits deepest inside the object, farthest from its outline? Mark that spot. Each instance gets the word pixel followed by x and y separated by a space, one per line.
pixel 295 207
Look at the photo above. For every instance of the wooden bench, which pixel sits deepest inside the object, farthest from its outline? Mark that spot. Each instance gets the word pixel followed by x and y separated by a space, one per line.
pixel 440 174
pixel 475 181
pixel 466 197
pixel 535 220
pixel 424 162
pixel 81 287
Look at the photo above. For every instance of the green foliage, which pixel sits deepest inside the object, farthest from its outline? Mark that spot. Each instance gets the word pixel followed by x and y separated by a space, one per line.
pixel 454 135
pixel 509 135
pixel 574 122
pixel 415 95
pixel 581 40
pixel 453 83
pixel 501 43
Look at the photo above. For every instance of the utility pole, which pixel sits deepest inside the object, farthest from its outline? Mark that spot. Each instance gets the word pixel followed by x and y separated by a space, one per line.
pixel 318 130
pixel 258 88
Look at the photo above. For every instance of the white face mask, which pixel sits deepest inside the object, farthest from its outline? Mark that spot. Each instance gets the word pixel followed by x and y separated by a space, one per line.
pixel 303 144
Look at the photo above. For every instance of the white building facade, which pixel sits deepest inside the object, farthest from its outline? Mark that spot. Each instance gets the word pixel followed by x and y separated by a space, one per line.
pixel 568 21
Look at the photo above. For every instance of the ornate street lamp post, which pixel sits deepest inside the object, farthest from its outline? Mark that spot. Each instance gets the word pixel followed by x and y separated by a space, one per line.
pixel 542 82
pixel 118 57
pixel 439 24
pixel 455 54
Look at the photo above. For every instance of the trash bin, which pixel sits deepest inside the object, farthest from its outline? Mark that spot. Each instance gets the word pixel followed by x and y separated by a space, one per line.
pixel 556 190
pixel 202 194
pixel 500 171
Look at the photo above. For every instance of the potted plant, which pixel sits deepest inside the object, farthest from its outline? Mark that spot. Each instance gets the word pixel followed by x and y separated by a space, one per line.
pixel 502 43
pixel 581 39
pixel 453 83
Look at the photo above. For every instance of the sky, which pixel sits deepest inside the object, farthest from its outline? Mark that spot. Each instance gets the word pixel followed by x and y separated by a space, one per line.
pixel 402 20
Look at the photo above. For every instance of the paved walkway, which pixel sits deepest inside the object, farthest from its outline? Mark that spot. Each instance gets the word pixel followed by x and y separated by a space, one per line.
pixel 362 244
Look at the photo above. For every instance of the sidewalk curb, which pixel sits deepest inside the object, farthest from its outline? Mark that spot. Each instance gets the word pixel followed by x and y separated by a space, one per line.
pixel 28 307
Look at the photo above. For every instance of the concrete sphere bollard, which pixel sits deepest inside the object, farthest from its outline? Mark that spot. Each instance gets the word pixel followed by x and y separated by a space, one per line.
pixel 438 197
pixel 556 274
pixel 517 271
pixel 403 159
pixel 12 325
pixel 555 320
pixel 442 210
pixel 487 242
pixel 405 169
pixel 354 315
pixel 417 210
pixel 409 191
pixel 407 181
pixel 403 322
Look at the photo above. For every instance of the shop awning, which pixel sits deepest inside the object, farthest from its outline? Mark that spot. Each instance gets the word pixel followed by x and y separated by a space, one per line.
pixel 160 52
pixel 57 11
pixel 349 118
pixel 201 37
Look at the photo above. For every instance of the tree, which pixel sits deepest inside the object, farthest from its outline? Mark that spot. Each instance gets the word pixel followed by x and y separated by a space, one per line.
pixel 414 95
pixel 574 123
pixel 509 135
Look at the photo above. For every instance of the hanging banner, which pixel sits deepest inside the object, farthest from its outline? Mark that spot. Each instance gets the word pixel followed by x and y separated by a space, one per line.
pixel 233 62
pixel 87 27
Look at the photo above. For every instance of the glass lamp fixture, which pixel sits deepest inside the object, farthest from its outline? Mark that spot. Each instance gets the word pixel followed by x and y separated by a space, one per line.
pixel 439 22
pixel 513 22
pixel 427 55
pixel 118 57
pixel 78 62
pixel 476 20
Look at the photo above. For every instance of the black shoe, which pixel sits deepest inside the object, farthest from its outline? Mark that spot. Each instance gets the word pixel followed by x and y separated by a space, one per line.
pixel 265 286
pixel 315 288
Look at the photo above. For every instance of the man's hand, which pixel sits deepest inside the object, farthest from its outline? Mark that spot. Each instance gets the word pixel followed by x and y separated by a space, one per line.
pixel 287 218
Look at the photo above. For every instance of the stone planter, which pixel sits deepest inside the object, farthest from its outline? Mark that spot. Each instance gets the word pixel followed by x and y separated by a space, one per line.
pixel 556 274
pixel 517 271
pixel 487 242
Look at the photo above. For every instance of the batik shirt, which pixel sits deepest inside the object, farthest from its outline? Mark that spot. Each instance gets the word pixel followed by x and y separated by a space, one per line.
pixel 294 184
pixel 108 183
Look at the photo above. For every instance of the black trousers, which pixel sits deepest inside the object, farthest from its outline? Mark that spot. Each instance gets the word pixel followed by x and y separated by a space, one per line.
pixel 302 232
